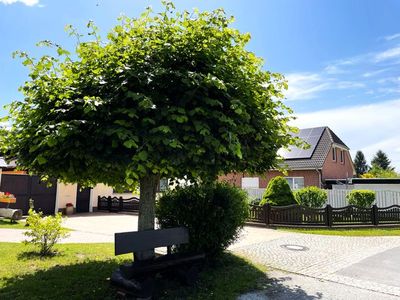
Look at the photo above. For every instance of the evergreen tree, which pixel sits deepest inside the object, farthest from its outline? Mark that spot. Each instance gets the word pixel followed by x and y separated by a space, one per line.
pixel 381 160
pixel 360 163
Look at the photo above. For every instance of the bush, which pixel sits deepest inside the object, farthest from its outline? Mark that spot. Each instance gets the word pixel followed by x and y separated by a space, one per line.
pixel 311 196
pixel 363 198
pixel 278 193
pixel 44 232
pixel 214 215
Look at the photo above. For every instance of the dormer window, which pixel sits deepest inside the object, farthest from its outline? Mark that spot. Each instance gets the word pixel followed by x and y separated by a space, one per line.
pixel 334 154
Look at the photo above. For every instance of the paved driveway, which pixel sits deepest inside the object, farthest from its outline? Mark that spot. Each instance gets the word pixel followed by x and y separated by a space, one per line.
pixel 371 263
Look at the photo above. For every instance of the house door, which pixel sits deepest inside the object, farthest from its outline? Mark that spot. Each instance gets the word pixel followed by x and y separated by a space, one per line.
pixel 82 199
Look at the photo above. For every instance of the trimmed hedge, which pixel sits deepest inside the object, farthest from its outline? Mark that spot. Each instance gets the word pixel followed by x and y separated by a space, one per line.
pixel 278 193
pixel 363 198
pixel 214 215
pixel 311 196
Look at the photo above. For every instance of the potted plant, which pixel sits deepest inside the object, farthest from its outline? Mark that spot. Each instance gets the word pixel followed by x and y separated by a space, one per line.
pixel 69 209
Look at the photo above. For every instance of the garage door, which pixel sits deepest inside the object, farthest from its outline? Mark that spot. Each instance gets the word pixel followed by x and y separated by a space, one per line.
pixel 25 187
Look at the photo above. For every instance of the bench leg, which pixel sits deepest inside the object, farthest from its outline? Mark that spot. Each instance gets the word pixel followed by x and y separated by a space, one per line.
pixel 140 288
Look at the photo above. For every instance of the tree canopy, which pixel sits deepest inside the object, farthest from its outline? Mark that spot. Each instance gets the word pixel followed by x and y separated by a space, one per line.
pixel 170 94
pixel 360 163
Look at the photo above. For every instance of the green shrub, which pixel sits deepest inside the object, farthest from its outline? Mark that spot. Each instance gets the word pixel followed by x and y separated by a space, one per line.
pixel 44 232
pixel 311 196
pixel 278 192
pixel 363 198
pixel 214 215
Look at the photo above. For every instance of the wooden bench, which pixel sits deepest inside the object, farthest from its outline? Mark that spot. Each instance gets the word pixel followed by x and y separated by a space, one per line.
pixel 137 278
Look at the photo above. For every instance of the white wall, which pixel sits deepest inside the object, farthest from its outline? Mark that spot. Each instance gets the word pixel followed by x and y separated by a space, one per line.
pixel 66 193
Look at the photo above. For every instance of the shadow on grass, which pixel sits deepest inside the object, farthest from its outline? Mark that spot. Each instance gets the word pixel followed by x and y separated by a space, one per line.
pixel 87 280
pixel 27 255
pixel 7 222
pixel 228 278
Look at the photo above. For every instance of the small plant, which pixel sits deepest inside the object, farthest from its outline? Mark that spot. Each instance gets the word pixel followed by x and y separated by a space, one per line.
pixel 214 215
pixel 311 196
pixel 278 193
pixel 363 198
pixel 44 232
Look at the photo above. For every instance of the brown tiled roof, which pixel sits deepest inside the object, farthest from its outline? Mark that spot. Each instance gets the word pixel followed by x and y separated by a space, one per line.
pixel 317 159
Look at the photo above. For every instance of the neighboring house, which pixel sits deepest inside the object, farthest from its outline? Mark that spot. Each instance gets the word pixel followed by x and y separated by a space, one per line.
pixel 327 158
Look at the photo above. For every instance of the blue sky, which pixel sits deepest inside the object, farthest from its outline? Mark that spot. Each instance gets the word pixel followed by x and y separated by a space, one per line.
pixel 341 58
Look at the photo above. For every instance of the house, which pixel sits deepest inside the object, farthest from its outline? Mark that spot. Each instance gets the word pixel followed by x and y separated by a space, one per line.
pixel 49 198
pixel 328 157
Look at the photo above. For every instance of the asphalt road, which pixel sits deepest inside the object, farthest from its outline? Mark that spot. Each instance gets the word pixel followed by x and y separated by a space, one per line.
pixel 383 268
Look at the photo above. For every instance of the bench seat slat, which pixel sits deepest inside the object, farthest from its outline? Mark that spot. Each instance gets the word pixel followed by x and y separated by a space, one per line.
pixel 161 263
pixel 128 242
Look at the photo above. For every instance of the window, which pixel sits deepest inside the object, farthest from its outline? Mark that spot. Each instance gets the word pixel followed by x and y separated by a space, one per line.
pixel 334 154
pixel 342 156
pixel 295 183
pixel 250 182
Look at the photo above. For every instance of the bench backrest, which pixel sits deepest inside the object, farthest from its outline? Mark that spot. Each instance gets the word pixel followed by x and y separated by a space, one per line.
pixel 128 242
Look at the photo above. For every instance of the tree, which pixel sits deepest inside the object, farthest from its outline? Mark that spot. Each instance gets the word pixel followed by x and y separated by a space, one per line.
pixel 381 160
pixel 360 163
pixel 377 172
pixel 172 95
pixel 278 192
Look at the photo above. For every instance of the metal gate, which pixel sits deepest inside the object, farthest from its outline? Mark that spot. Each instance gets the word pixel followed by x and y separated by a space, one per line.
pixel 25 187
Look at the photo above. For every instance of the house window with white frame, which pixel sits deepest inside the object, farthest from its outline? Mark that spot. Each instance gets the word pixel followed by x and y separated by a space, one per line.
pixel 342 156
pixel 295 183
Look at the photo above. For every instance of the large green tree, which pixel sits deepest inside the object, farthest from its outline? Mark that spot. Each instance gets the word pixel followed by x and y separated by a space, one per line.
pixel 360 163
pixel 174 94
pixel 381 160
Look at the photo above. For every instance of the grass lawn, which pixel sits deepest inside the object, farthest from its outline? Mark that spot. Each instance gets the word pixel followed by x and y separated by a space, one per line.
pixel 6 223
pixel 81 271
pixel 347 232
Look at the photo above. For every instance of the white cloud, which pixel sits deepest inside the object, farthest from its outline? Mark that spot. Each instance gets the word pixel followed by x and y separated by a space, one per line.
pixel 374 73
pixel 26 2
pixel 333 69
pixel 304 85
pixel 309 85
pixel 367 127
pixel 392 37
pixel 388 54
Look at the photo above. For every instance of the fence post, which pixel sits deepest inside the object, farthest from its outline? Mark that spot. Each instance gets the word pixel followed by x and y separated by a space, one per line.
pixel 121 204
pixel 267 211
pixel 328 214
pixel 375 218
pixel 98 202
pixel 109 203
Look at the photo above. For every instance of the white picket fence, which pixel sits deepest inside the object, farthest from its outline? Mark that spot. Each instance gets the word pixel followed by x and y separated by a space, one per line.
pixel 337 198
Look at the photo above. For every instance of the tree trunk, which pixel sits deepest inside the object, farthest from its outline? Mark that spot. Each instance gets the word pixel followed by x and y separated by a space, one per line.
pixel 148 189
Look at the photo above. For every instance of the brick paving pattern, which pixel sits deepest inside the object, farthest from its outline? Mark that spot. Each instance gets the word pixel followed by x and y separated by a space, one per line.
pixel 325 256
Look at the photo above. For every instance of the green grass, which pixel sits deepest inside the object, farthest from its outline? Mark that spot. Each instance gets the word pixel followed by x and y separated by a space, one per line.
pixel 347 232
pixel 6 223
pixel 81 271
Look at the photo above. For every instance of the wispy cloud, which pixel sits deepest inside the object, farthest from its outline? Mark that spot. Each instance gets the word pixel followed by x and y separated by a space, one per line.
pixel 392 37
pixel 374 73
pixel 388 54
pixel 26 2
pixel 368 127
pixel 304 85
